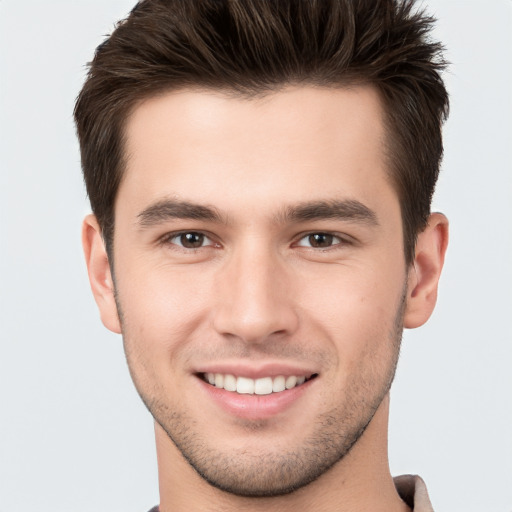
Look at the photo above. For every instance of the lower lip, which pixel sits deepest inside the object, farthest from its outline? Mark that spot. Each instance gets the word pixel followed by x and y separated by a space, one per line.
pixel 255 407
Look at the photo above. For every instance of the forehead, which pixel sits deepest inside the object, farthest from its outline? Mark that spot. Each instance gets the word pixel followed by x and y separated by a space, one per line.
pixel 295 145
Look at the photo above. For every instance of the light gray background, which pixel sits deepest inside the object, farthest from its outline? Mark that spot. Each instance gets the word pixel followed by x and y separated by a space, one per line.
pixel 74 435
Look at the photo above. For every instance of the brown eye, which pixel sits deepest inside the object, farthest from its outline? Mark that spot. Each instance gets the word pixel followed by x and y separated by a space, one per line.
pixel 191 240
pixel 188 241
pixel 320 240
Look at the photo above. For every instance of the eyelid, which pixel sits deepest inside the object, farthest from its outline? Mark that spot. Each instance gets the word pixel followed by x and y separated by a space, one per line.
pixel 168 237
pixel 342 239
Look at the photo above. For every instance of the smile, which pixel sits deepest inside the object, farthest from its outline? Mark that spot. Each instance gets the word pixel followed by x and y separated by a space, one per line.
pixel 261 386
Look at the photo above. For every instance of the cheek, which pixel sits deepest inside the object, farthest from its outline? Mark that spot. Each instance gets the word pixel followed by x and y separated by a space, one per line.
pixel 161 308
pixel 355 309
pixel 160 314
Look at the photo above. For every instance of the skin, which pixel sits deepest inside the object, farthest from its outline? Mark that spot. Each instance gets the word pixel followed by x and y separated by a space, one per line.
pixel 259 294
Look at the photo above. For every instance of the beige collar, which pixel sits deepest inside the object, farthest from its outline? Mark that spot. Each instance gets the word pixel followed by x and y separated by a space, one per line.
pixel 413 491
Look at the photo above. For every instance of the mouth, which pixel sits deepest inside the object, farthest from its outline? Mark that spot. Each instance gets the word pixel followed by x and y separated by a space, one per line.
pixel 261 386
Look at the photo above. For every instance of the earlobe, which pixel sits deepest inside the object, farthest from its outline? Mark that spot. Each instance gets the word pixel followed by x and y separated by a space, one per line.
pixel 425 271
pixel 100 276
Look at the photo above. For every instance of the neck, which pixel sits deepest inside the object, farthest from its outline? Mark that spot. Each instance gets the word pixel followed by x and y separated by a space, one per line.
pixel 360 481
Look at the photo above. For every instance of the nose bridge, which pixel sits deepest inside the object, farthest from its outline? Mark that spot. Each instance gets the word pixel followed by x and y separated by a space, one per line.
pixel 253 302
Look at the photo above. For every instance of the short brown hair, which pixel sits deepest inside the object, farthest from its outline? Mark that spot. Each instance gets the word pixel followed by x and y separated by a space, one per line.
pixel 254 47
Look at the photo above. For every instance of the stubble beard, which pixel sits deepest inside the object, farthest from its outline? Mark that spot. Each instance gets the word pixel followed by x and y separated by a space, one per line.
pixel 270 474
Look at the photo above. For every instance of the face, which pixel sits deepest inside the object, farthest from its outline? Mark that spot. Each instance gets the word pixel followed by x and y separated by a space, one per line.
pixel 260 278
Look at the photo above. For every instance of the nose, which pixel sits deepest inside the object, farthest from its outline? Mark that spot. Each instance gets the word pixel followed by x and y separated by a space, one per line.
pixel 255 300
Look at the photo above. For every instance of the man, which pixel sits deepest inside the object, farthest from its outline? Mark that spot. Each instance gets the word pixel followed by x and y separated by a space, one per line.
pixel 260 174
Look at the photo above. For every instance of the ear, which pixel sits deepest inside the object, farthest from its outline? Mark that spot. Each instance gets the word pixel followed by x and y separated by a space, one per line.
pixel 425 271
pixel 100 277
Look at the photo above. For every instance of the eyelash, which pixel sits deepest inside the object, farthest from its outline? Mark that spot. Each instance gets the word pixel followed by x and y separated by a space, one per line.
pixel 341 241
pixel 333 236
pixel 169 237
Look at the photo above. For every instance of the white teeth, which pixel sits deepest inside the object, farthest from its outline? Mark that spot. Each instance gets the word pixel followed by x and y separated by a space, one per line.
pixel 246 386
pixel 263 386
pixel 291 382
pixel 230 383
pixel 219 380
pixel 278 384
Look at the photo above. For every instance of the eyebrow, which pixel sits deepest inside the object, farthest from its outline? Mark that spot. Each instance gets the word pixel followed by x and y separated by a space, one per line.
pixel 167 209
pixel 347 210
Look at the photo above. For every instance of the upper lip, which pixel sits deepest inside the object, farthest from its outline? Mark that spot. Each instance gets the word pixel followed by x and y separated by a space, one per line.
pixel 257 371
